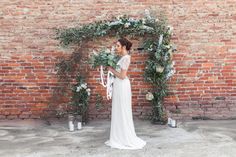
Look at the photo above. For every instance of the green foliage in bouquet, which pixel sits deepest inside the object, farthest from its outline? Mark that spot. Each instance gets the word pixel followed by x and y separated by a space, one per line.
pixel 105 58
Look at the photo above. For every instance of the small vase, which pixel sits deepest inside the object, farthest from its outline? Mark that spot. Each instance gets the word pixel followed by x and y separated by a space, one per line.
pixel 71 122
pixel 78 121
pixel 173 123
pixel 79 125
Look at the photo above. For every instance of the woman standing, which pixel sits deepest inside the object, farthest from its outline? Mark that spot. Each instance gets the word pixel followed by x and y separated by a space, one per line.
pixel 122 132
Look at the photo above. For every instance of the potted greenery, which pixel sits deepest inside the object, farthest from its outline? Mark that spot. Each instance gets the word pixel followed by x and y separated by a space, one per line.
pixel 159 116
pixel 79 99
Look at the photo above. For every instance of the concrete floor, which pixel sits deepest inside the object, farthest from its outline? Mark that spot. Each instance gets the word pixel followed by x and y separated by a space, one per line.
pixel 35 138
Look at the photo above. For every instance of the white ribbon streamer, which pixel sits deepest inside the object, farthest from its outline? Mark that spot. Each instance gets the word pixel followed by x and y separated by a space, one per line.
pixel 110 80
pixel 102 75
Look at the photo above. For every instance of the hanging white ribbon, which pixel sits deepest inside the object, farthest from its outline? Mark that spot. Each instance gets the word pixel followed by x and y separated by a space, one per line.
pixel 108 85
pixel 101 76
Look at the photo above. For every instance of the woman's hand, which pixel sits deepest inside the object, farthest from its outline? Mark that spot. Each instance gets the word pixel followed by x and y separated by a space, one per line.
pixel 110 68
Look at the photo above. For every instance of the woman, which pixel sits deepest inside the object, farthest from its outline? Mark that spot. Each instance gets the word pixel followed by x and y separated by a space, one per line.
pixel 122 132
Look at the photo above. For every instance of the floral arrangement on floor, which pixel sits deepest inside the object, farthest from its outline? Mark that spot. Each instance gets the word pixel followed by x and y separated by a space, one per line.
pixel 80 96
pixel 156 34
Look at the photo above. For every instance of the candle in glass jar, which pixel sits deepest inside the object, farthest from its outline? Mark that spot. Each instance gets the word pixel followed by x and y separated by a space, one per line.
pixel 173 123
pixel 79 125
pixel 169 121
pixel 71 126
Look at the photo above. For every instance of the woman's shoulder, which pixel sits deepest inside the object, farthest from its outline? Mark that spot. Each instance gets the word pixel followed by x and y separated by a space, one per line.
pixel 126 56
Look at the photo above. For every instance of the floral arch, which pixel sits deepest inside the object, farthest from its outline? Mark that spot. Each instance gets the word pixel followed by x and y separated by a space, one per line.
pixel 157 43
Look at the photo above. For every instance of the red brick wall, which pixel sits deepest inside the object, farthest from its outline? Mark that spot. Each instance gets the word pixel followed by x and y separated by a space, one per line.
pixel 205 79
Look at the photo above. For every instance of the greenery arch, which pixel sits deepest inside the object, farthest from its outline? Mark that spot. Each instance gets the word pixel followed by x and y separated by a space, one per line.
pixel 157 43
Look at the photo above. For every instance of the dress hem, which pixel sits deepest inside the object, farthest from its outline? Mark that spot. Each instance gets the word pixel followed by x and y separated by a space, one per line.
pixel 124 147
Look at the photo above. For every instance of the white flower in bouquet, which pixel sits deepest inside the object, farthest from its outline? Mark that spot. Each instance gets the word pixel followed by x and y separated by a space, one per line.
pixel 113 49
pixel 166 57
pixel 149 96
pixel 143 21
pixel 107 50
pixel 88 93
pixel 147 13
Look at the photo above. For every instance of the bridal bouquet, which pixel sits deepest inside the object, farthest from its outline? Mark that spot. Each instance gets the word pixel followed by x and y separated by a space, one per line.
pixel 105 58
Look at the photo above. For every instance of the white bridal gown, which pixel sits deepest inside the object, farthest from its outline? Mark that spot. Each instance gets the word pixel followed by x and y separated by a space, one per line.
pixel 122 132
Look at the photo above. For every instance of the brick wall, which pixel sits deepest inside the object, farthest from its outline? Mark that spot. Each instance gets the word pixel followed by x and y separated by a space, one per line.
pixel 205 79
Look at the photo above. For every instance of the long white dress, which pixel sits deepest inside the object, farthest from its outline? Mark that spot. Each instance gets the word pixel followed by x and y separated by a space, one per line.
pixel 122 132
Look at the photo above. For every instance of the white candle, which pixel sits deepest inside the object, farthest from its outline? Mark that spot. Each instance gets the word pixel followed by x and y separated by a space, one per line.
pixel 71 126
pixel 173 123
pixel 79 125
pixel 169 121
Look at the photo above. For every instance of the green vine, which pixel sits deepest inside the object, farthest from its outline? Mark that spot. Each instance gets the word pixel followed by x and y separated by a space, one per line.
pixel 157 42
pixel 99 101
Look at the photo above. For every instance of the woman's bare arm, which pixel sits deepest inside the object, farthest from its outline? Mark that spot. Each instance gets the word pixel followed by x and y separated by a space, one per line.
pixel 121 75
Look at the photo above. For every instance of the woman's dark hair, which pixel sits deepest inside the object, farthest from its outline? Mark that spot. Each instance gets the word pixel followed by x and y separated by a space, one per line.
pixel 125 42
